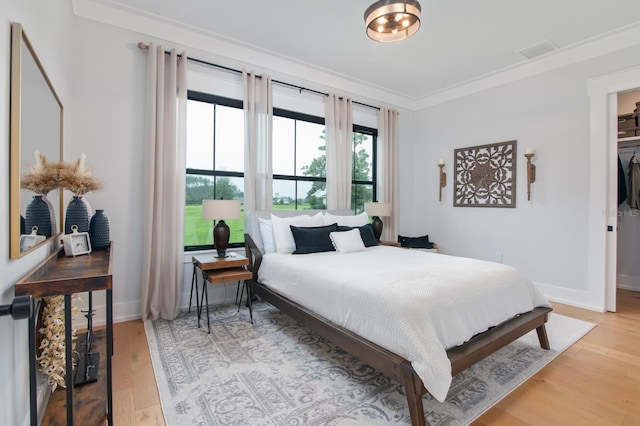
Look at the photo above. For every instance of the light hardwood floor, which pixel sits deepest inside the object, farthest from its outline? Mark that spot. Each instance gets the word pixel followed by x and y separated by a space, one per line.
pixel 594 382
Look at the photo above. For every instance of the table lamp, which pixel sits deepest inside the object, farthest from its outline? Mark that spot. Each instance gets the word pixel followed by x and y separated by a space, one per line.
pixel 220 210
pixel 376 210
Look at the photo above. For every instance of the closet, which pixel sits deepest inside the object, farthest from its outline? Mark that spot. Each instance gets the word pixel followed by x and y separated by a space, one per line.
pixel 628 261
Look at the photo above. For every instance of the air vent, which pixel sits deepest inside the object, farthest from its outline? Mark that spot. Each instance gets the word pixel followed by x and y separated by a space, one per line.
pixel 538 49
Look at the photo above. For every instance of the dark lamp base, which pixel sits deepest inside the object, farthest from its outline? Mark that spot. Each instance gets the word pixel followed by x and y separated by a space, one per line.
pixel 221 235
pixel 376 224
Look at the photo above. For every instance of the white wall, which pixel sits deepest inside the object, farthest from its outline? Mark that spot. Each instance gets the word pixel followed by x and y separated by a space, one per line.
pixel 547 237
pixel 48 26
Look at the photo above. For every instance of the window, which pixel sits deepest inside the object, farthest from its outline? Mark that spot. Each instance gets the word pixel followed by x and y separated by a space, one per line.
pixel 299 162
pixel 215 165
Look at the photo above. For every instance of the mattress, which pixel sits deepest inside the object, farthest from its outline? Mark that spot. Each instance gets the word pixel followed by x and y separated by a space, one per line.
pixel 412 303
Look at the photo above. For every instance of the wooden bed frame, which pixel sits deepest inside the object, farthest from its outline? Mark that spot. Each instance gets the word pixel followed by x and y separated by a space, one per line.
pixel 394 366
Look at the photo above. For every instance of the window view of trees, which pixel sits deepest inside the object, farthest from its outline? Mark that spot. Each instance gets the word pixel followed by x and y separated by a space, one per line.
pixel 215 164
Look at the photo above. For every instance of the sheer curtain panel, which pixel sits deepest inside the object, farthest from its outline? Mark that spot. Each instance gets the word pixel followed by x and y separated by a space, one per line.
pixel 339 137
pixel 258 122
pixel 388 169
pixel 163 244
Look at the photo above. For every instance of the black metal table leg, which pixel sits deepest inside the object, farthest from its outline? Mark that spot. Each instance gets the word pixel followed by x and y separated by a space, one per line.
pixel 249 297
pixel 109 354
pixel 33 400
pixel 194 283
pixel 205 296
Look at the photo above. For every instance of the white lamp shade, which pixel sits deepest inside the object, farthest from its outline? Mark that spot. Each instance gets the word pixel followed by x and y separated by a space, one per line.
pixel 220 209
pixel 378 209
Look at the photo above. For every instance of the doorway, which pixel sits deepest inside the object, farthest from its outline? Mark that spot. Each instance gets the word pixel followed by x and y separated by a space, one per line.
pixel 603 198
pixel 628 217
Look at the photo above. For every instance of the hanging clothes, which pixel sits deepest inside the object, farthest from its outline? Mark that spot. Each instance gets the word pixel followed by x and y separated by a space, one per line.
pixel 634 183
pixel 622 184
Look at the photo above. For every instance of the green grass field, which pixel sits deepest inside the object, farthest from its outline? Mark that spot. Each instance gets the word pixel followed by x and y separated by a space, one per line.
pixel 199 231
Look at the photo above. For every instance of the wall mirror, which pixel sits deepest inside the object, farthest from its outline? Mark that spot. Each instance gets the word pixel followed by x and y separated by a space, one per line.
pixel 36 125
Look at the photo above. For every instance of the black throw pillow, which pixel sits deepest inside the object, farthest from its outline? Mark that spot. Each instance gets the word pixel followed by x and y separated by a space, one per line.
pixel 415 242
pixel 312 239
pixel 366 233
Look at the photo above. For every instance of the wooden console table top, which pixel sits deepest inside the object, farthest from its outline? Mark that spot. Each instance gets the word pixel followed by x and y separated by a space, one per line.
pixel 59 274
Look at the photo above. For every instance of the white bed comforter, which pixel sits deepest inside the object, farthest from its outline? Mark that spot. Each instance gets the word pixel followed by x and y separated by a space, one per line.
pixel 413 303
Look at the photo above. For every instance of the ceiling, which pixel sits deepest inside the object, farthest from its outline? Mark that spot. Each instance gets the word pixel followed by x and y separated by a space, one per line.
pixel 458 42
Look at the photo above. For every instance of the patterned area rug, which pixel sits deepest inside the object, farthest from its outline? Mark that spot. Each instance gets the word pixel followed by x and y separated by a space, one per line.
pixel 276 372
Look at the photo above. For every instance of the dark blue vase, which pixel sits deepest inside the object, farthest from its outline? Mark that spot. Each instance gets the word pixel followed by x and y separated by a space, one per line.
pixel 77 214
pixel 38 214
pixel 99 231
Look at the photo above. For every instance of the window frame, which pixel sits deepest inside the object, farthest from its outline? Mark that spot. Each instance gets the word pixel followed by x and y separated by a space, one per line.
pixel 277 112
pixel 193 95
pixel 356 128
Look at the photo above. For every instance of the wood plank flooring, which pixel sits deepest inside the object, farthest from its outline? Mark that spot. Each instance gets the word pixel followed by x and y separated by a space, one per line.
pixel 594 382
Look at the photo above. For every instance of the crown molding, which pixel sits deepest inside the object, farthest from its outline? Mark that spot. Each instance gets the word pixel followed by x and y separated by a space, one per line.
pixel 232 53
pixel 619 39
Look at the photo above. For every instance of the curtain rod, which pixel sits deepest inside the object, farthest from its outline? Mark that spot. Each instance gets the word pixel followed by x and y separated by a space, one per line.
pixel 144 46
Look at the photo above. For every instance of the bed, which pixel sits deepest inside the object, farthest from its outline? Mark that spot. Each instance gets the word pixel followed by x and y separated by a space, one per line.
pixel 352 308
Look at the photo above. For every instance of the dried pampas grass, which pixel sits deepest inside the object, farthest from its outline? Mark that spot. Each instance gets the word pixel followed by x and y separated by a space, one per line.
pixel 46 176
pixel 43 177
pixel 78 179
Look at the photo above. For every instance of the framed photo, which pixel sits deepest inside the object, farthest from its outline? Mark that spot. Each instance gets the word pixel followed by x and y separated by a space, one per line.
pixel 485 175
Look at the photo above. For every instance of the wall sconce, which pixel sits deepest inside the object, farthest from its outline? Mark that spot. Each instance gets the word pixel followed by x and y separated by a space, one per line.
pixel 443 178
pixel 531 171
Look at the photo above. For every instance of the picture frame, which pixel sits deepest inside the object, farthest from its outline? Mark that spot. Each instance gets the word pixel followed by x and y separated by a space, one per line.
pixel 485 175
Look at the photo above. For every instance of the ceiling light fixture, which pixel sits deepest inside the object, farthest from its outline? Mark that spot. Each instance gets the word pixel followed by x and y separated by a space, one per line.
pixel 389 20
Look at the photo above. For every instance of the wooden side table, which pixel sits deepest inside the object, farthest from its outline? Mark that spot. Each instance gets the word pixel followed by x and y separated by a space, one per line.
pixel 61 275
pixel 217 270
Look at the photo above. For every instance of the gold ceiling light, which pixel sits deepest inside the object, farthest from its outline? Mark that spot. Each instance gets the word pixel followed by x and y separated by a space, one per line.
pixel 389 20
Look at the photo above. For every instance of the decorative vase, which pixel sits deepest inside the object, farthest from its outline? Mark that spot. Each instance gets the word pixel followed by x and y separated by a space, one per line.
pixel 78 213
pixel 38 213
pixel 99 231
pixel 52 215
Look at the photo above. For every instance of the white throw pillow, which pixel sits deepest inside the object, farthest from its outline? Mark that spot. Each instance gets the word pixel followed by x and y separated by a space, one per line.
pixel 347 241
pixel 266 232
pixel 357 220
pixel 283 237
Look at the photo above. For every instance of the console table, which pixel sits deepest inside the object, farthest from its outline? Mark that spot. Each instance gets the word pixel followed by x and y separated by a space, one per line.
pixel 61 275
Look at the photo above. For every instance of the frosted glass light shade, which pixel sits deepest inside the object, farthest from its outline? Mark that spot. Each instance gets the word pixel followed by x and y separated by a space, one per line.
pixel 220 209
pixel 392 20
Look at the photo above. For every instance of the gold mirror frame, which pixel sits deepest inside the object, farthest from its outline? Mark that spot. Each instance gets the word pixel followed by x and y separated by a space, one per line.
pixel 23 149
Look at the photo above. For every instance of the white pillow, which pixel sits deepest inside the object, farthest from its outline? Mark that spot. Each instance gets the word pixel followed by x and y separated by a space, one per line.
pixel 353 221
pixel 283 237
pixel 347 241
pixel 266 232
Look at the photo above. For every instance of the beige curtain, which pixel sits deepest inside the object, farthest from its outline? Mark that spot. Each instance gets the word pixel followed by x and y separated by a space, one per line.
pixel 258 123
pixel 164 191
pixel 388 169
pixel 339 138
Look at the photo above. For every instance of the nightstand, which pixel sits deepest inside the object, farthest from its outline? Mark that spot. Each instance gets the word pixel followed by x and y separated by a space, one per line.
pixel 218 270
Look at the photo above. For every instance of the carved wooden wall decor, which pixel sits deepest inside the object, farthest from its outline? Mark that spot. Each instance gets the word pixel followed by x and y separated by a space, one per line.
pixel 485 175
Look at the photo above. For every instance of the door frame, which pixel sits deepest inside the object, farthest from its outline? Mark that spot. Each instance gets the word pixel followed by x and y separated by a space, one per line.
pixel 603 181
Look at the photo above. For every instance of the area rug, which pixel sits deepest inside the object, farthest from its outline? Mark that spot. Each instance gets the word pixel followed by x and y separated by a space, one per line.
pixel 276 372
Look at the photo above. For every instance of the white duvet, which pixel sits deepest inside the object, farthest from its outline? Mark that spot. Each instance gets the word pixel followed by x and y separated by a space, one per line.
pixel 413 303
